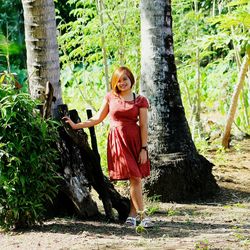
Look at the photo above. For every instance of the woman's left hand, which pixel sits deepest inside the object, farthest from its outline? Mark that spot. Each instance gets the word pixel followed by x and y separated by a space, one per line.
pixel 143 156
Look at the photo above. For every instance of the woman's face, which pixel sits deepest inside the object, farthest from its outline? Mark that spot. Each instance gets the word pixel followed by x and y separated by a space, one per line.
pixel 124 83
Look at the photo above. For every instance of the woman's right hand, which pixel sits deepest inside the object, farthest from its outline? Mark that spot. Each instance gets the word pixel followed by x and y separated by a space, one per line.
pixel 70 122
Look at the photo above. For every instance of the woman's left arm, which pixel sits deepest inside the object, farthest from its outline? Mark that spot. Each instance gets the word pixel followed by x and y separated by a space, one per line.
pixel 143 122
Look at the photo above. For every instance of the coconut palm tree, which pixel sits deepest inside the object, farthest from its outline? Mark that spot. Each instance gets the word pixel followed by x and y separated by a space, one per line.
pixel 42 48
pixel 178 171
pixel 79 163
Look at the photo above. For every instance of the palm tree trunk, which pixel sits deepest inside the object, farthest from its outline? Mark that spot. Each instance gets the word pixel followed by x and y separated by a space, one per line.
pixel 42 48
pixel 178 171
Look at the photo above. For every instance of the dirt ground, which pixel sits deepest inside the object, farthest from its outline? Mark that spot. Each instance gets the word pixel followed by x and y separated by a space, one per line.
pixel 220 223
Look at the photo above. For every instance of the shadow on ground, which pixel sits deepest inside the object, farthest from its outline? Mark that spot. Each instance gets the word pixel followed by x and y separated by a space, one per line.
pixel 186 220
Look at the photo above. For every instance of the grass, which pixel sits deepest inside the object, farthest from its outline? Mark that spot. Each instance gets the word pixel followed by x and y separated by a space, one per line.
pixel 151 210
pixel 238 204
pixel 241 237
pixel 182 212
pixel 202 245
pixel 141 230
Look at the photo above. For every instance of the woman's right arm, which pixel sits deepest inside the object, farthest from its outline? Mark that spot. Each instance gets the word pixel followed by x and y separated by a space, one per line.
pixel 96 119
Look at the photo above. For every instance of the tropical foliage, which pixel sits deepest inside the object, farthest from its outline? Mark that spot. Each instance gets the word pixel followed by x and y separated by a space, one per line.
pixel 210 40
pixel 27 159
pixel 82 42
pixel 96 36
pixel 12 49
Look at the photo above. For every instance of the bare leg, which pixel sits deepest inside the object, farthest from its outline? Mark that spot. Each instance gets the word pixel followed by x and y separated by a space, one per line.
pixel 136 196
pixel 132 212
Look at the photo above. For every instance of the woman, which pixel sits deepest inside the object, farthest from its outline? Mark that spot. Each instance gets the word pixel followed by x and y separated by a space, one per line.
pixel 127 141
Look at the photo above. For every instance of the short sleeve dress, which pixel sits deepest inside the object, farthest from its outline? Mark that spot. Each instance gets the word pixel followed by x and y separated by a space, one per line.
pixel 124 139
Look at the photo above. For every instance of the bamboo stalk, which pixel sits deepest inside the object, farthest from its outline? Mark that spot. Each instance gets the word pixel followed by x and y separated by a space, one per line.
pixel 233 106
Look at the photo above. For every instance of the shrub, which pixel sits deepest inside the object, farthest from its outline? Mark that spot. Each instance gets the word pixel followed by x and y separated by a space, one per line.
pixel 27 160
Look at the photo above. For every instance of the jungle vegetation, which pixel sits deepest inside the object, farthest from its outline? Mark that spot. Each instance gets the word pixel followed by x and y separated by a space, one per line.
pixel 211 39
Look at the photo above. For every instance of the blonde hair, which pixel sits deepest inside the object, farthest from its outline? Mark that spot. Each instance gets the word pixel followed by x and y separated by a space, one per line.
pixel 117 75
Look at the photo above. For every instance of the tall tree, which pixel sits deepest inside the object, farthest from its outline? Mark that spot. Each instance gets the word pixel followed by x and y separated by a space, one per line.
pixel 42 48
pixel 178 171
pixel 79 166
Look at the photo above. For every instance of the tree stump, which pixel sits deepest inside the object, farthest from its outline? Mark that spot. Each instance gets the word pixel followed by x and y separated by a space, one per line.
pixel 80 170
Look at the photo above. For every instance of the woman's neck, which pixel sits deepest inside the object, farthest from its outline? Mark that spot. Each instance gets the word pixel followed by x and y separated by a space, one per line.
pixel 126 93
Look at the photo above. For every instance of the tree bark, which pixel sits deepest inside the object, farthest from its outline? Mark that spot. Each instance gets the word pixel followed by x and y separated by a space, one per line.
pixel 80 167
pixel 88 173
pixel 49 98
pixel 233 106
pixel 42 48
pixel 178 172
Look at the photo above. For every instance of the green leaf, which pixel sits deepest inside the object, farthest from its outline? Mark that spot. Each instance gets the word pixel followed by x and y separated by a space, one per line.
pixel 238 121
pixel 22 180
pixel 236 3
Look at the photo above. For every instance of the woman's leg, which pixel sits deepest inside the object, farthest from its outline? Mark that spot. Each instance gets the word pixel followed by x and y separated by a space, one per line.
pixel 132 212
pixel 136 201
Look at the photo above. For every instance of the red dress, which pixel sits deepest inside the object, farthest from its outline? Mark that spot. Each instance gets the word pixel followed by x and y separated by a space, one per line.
pixel 124 139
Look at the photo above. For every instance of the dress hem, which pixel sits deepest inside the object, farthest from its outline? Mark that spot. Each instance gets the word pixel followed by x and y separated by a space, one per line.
pixel 127 178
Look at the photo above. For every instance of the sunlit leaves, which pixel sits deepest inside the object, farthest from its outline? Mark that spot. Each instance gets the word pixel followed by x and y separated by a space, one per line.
pixel 81 52
pixel 8 47
pixel 236 3
pixel 219 30
pixel 27 159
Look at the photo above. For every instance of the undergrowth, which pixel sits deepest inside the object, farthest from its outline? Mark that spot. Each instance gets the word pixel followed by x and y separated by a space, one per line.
pixel 27 160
